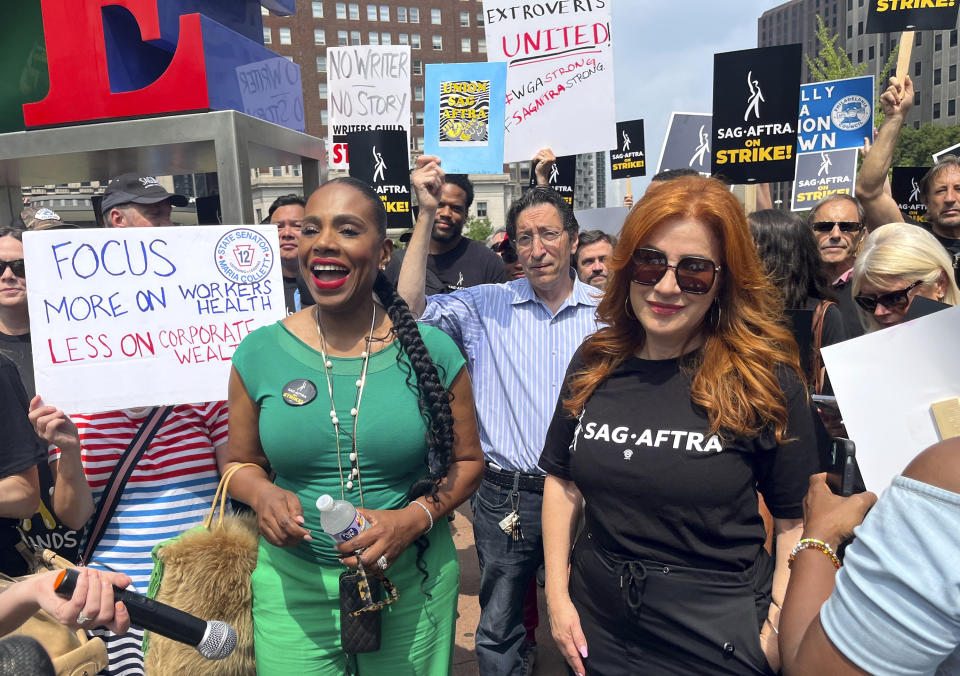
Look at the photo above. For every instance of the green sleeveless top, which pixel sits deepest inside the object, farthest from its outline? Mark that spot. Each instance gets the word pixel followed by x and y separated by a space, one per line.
pixel 299 441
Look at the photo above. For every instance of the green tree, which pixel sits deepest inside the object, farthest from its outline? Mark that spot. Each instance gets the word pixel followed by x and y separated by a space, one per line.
pixel 478 228
pixel 834 64
pixel 917 145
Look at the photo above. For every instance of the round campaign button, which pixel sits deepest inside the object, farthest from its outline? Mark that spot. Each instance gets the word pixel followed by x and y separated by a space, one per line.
pixel 299 392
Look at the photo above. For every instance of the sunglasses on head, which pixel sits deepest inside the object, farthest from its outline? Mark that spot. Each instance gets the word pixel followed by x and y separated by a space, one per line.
pixel 895 300
pixel 827 226
pixel 16 267
pixel 694 274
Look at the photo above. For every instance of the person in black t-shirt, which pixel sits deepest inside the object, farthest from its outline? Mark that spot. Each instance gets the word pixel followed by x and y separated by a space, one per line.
pixel 671 418
pixel 20 452
pixel 455 262
pixel 899 262
pixel 14 317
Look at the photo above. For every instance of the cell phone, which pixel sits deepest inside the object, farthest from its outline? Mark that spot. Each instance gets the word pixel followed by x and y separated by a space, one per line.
pixel 828 404
pixel 843 474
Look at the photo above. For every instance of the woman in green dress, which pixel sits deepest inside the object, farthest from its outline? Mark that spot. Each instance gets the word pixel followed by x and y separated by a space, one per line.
pixel 351 398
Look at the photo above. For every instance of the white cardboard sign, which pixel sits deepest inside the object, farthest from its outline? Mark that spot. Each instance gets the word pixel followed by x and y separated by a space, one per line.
pixel 368 88
pixel 559 59
pixel 885 383
pixel 126 317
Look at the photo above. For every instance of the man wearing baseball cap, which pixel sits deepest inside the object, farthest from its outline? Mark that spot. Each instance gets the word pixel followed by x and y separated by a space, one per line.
pixel 132 201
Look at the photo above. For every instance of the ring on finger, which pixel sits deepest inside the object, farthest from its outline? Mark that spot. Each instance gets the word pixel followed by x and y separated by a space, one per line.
pixel 83 619
pixel 383 563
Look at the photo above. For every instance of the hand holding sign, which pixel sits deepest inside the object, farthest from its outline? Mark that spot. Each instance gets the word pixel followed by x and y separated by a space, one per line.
pixel 54 426
pixel 543 162
pixel 898 99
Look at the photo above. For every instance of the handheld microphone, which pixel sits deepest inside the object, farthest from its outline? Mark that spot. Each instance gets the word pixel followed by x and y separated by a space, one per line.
pixel 24 655
pixel 214 640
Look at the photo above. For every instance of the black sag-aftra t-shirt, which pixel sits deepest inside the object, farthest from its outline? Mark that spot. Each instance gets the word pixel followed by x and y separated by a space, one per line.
pixel 658 486
pixel 467 264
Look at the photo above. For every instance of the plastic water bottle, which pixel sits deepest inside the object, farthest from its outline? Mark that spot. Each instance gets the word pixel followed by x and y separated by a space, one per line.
pixel 340 519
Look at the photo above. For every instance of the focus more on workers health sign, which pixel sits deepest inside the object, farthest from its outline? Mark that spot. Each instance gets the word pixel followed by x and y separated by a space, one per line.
pixel 629 158
pixel 835 114
pixel 819 175
pixel 463 116
pixel 559 74
pixel 687 143
pixel 146 316
pixel 756 95
pixel 379 158
pixel 368 87
pixel 889 16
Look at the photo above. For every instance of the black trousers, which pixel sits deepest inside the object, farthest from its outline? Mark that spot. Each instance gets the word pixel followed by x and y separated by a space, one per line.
pixel 644 617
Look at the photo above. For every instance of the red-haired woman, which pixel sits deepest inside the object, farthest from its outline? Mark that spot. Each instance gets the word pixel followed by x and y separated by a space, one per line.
pixel 672 417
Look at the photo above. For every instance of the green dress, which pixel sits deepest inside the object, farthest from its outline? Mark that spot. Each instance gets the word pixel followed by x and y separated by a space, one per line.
pixel 296 589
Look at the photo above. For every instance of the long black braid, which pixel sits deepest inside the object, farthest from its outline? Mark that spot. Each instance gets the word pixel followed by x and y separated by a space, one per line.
pixel 423 377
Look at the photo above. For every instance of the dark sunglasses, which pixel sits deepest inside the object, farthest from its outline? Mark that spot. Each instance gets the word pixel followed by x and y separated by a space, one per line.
pixel 16 267
pixel 694 274
pixel 827 226
pixel 895 300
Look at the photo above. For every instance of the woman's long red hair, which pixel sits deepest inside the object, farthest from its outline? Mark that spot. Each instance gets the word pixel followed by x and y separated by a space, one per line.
pixel 735 380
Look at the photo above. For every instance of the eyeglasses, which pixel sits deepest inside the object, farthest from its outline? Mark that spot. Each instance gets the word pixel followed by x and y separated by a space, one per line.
pixel 827 226
pixel 547 237
pixel 16 267
pixel 895 300
pixel 694 274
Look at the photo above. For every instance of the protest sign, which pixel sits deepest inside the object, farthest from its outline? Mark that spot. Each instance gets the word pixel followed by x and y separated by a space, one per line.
pixel 905 188
pixel 562 177
pixel 756 96
pixel 271 90
pixel 463 113
pixel 629 158
pixel 952 150
pixel 379 158
pixel 890 16
pixel 886 402
pixel 835 114
pixel 126 317
pixel 559 74
pixel 819 175
pixel 687 143
pixel 368 87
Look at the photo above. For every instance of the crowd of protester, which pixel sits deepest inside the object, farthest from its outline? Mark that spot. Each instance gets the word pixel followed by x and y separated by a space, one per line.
pixel 630 412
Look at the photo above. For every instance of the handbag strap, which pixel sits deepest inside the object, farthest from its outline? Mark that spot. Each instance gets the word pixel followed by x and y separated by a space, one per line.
pixel 118 480
pixel 221 494
pixel 815 359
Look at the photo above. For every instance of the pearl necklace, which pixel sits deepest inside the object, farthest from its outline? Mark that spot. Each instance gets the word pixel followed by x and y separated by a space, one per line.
pixel 354 412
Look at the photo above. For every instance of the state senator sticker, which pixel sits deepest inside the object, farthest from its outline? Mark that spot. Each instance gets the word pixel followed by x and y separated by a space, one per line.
pixel 299 392
pixel 244 256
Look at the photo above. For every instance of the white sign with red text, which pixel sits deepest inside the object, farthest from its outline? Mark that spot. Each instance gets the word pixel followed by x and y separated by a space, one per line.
pixel 368 88
pixel 559 57
pixel 126 317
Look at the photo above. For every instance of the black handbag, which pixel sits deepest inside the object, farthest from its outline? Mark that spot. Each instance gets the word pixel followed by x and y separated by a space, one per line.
pixel 359 623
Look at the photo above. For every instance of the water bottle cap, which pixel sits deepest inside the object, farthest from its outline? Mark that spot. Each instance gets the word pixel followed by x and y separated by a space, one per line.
pixel 325 503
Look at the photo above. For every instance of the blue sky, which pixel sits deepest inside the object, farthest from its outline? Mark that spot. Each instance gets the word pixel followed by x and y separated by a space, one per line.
pixel 663 61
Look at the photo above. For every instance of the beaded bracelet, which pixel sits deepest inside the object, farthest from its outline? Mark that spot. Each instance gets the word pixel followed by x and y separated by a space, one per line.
pixel 429 515
pixel 811 543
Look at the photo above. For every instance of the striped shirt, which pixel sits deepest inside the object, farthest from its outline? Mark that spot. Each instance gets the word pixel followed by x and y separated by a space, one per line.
pixel 169 491
pixel 517 353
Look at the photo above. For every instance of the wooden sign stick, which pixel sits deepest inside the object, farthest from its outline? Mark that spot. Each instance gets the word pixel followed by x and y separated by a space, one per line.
pixel 903 56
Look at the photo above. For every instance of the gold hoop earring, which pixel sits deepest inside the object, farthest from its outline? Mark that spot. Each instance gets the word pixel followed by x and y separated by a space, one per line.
pixel 627 309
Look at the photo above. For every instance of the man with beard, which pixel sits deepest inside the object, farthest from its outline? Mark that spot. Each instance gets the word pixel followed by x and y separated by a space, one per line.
pixel 455 262
pixel 940 187
pixel 594 249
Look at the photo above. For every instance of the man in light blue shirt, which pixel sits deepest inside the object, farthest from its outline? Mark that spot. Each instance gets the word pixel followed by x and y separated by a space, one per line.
pixel 518 338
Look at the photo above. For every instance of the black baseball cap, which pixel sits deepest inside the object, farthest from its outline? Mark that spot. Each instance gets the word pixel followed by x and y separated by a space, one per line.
pixel 133 188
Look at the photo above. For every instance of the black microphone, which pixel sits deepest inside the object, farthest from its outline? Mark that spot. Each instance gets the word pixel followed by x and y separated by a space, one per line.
pixel 24 655
pixel 214 640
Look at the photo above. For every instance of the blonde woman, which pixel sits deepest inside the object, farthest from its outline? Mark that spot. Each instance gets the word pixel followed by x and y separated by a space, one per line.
pixel 898 262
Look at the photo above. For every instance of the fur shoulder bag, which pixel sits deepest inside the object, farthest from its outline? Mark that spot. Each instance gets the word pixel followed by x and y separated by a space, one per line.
pixel 206 572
